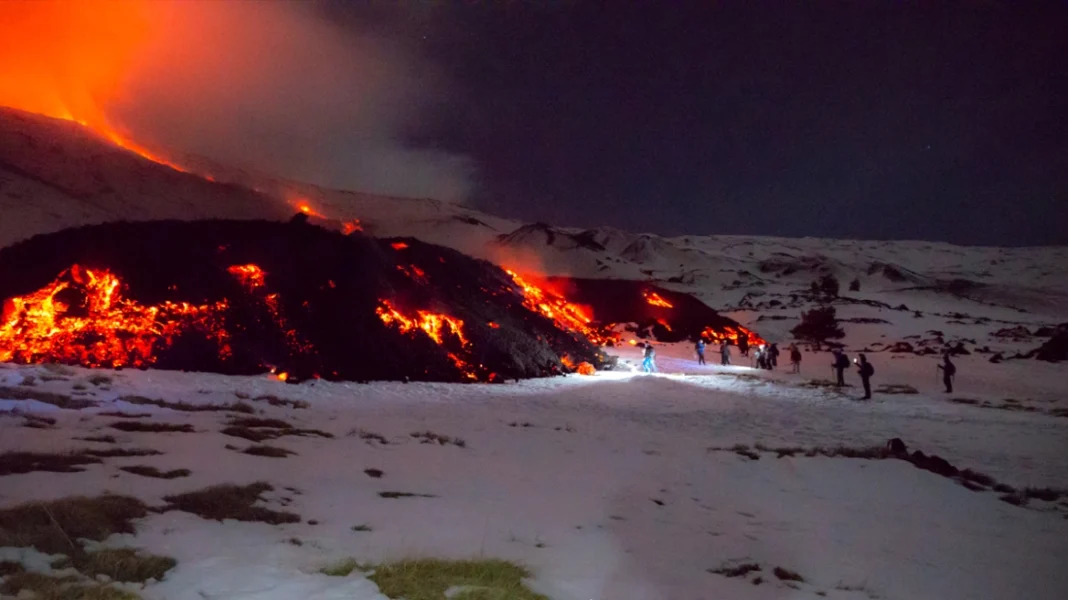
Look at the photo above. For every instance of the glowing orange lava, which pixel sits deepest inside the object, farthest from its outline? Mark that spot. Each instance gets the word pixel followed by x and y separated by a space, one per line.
pixel 567 316
pixel 732 335
pixel 399 245
pixel 656 300
pixel 83 318
pixel 254 279
pixel 433 325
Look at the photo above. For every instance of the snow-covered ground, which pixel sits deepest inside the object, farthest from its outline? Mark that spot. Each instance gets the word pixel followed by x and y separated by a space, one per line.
pixel 603 486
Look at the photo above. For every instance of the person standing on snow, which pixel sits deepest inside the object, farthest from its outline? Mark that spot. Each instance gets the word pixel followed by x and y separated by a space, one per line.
pixel 795 358
pixel 724 353
pixel 865 370
pixel 699 347
pixel 743 345
pixel 773 356
pixel 948 371
pixel 649 362
pixel 840 364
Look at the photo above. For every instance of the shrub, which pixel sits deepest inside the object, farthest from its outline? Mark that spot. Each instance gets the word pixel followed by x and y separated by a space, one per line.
pixel 818 325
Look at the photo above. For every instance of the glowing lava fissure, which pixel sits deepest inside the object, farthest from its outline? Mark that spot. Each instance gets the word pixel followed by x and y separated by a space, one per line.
pixel 83 318
pixel 566 315
pixel 438 327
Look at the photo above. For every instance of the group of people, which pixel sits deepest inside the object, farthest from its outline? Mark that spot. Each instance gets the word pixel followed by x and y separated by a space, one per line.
pixel 767 357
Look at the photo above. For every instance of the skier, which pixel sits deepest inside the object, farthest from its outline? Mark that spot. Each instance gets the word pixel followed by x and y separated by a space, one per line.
pixel 840 364
pixel 948 371
pixel 724 353
pixel 700 348
pixel 743 345
pixel 865 370
pixel 795 358
pixel 649 362
pixel 773 356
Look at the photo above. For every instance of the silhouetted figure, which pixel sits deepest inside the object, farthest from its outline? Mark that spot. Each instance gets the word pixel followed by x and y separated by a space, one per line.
pixel 649 362
pixel 865 370
pixel 840 364
pixel 724 354
pixel 773 356
pixel 699 347
pixel 795 358
pixel 743 345
pixel 948 371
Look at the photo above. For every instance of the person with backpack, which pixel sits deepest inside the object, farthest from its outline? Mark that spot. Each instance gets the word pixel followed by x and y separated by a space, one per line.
pixel 773 356
pixel 649 362
pixel 865 370
pixel 948 371
pixel 795 359
pixel 699 347
pixel 840 364
pixel 724 353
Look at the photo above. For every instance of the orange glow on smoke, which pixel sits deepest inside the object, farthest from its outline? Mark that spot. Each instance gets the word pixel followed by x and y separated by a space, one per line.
pixel 656 300
pixel 82 317
pixel 351 226
pixel 567 316
pixel 68 60
pixel 433 325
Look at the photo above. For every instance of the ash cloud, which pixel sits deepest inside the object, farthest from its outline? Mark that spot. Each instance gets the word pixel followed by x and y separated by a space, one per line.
pixel 278 88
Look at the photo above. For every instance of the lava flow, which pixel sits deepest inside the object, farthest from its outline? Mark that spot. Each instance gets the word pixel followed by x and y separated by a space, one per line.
pixel 566 315
pixel 82 317
pixel 434 325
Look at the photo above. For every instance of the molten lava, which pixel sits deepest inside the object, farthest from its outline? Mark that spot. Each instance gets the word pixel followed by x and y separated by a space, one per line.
pixel 254 279
pixel 567 316
pixel 655 299
pixel 433 325
pixel 83 318
pixel 732 334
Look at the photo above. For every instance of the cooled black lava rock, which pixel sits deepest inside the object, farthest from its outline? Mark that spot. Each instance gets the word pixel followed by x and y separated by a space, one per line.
pixel 329 287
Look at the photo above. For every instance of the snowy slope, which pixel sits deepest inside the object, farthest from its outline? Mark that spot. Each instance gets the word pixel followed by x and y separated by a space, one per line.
pixel 605 486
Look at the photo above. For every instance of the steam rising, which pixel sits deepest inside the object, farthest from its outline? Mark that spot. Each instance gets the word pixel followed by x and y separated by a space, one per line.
pixel 268 86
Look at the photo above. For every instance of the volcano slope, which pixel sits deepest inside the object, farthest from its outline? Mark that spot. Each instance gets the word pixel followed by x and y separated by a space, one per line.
pixel 242 297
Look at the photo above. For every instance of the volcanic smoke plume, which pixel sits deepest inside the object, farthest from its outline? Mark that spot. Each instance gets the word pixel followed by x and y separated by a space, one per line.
pixel 270 86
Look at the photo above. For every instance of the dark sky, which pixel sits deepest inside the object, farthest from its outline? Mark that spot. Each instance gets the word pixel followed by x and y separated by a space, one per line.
pixel 939 120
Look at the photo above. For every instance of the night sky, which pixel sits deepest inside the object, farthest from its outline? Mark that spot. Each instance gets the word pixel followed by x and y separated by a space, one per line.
pixel 937 120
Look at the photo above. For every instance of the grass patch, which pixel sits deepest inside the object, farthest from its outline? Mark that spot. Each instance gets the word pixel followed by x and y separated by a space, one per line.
pixel 374 473
pixel 99 380
pixel 787 575
pixel 230 502
pixel 46 587
pixel 123 415
pixel 429 579
pixel 37 422
pixel 963 401
pixel 240 407
pixel 276 401
pixel 268 451
pixel 369 436
pixel 138 426
pixel 18 463
pixel 976 477
pixel 121 452
pixel 363 527
pixel 146 471
pixel 119 564
pixel 822 384
pixel 736 571
pixel 60 400
pixel 429 437
pixel 394 495
pixel 255 422
pixel 1044 494
pixel 743 450
pixel 259 430
pixel 345 568
pixel 8 567
pixel 896 388
pixel 52 527
pixel 103 439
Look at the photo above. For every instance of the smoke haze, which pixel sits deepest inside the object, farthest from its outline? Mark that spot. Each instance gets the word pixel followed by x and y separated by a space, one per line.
pixel 269 86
